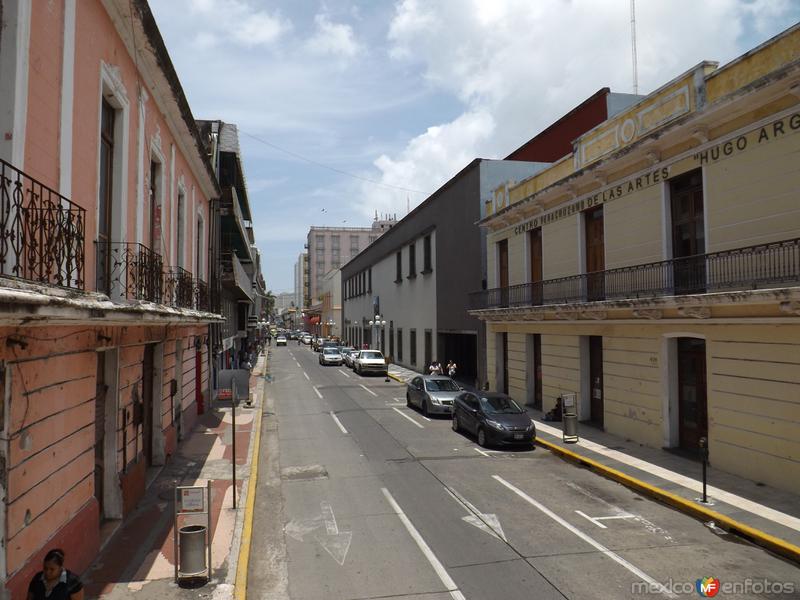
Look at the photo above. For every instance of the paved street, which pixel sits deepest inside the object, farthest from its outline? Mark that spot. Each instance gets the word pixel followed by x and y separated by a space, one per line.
pixel 372 500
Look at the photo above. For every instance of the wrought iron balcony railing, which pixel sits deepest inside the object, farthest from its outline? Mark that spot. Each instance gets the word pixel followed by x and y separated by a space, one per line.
pixel 201 297
pixel 179 289
pixel 741 269
pixel 41 232
pixel 129 270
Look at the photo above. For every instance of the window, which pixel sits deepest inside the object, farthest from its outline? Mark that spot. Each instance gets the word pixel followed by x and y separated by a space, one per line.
pixel 399 343
pixel 106 197
pixel 320 241
pixel 428 347
pixel 181 226
pixel 335 242
pixel 199 249
pixel 426 255
pixel 412 260
pixel 369 282
pixel 399 277
pixel 354 245
pixel 412 344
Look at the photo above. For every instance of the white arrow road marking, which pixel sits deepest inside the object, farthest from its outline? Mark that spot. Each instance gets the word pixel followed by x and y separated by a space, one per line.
pixel 402 414
pixel 339 423
pixel 334 542
pixel 344 373
pixel 589 540
pixel 423 546
pixel 487 522
pixel 369 390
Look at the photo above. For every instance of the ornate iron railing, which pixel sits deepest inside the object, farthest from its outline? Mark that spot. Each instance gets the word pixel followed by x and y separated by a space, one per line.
pixel 740 269
pixel 178 288
pixel 201 298
pixel 129 270
pixel 41 232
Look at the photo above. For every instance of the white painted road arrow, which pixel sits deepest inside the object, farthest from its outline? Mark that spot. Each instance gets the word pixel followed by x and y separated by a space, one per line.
pixel 487 522
pixel 334 542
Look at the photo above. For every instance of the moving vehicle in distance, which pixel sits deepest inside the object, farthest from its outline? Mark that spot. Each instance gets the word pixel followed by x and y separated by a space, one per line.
pixel 494 418
pixel 280 340
pixel 330 356
pixel 432 394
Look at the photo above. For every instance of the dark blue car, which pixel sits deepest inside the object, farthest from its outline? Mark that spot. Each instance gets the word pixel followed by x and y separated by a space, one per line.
pixel 493 418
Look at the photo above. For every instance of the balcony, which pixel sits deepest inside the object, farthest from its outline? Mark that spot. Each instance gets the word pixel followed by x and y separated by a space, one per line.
pixel 742 269
pixel 41 232
pixel 235 277
pixel 129 271
pixel 234 228
pixel 179 289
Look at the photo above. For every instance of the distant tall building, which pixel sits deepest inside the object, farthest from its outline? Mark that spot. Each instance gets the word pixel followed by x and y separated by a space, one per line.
pixel 331 247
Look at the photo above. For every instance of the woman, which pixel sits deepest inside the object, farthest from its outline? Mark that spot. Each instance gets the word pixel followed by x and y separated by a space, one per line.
pixel 54 582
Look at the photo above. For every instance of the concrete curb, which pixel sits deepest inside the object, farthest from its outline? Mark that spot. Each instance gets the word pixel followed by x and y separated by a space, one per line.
pixel 761 538
pixel 396 378
pixel 243 563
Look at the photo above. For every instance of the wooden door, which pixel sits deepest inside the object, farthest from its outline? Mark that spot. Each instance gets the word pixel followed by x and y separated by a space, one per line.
pixel 692 398
pixel 147 404
pixel 596 379
pixel 595 254
pixel 688 233
pixel 105 201
pixel 502 271
pixel 535 248
pixel 101 390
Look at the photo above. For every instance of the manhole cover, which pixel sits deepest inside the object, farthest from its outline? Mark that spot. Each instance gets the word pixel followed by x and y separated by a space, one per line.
pixel 304 473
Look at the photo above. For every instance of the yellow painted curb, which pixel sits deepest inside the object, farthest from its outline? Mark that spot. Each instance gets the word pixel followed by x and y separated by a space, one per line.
pixel 396 378
pixel 243 563
pixel 757 536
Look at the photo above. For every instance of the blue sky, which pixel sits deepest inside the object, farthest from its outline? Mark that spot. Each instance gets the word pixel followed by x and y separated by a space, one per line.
pixel 404 93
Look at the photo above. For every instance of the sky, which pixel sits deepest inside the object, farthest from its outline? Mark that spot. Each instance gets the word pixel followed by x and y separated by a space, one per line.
pixel 350 107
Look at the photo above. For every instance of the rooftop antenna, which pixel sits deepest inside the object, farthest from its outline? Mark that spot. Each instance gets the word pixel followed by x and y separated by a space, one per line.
pixel 633 47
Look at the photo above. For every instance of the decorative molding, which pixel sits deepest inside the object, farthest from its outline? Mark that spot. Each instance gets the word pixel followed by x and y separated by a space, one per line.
pixel 601 177
pixel 597 315
pixel 653 157
pixel 790 308
pixel 143 95
pixel 567 315
pixel 113 78
pixel 701 134
pixel 795 90
pixel 648 313
pixel 155 141
pixel 695 312
pixel 537 315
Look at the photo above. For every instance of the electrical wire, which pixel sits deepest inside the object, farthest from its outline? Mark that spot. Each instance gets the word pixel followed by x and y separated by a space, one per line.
pixel 334 169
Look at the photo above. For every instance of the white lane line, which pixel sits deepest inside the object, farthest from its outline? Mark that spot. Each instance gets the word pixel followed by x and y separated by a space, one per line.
pixel 317 392
pixel 344 373
pixel 298 364
pixel 369 390
pixel 339 423
pixel 306 376
pixel 589 540
pixel 402 414
pixel 486 454
pixel 426 550
pixel 585 516
pixel 426 418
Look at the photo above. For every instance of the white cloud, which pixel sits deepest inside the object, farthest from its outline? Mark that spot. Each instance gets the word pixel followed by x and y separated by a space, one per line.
pixel 330 38
pixel 239 22
pixel 516 66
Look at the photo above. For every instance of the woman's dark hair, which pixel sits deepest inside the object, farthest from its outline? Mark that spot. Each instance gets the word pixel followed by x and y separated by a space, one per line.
pixel 56 555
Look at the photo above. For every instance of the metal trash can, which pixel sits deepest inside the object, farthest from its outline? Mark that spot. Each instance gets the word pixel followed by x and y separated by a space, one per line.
pixel 569 417
pixel 192 551
pixel 570 428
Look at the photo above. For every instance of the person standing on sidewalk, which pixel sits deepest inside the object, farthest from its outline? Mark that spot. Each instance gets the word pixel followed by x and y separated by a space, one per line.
pixel 451 369
pixel 54 582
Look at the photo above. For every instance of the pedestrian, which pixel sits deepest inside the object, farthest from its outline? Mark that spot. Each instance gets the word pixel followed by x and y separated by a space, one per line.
pixel 54 582
pixel 451 369
pixel 269 340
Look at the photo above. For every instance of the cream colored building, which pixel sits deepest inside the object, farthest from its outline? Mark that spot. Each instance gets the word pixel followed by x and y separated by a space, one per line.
pixel 655 271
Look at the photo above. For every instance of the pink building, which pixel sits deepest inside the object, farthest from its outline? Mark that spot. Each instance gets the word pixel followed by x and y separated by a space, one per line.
pixel 105 204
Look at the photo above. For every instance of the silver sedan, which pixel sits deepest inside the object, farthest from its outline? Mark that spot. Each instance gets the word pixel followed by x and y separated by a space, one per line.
pixel 433 394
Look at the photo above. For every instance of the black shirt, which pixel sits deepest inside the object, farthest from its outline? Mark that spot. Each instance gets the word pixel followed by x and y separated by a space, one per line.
pixel 68 585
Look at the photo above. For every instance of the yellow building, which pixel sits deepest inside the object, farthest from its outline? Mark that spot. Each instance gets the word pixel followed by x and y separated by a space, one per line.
pixel 655 271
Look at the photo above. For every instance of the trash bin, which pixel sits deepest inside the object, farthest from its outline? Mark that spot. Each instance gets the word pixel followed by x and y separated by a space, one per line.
pixel 192 551
pixel 570 428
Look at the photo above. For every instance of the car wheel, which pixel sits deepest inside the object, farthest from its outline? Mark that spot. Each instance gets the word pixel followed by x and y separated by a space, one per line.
pixel 481 437
pixel 408 400
pixel 455 424
pixel 425 411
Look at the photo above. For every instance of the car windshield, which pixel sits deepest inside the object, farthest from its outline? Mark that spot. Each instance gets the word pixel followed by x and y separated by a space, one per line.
pixel 367 354
pixel 331 351
pixel 441 385
pixel 499 405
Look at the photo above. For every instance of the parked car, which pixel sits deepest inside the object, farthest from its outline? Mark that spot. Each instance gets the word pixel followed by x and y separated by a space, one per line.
pixel 328 344
pixel 306 339
pixel 280 340
pixel 370 361
pixel 433 394
pixel 494 418
pixel 330 356
pixel 347 354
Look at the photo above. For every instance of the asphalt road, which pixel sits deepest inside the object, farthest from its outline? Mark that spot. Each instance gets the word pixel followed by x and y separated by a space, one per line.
pixel 362 498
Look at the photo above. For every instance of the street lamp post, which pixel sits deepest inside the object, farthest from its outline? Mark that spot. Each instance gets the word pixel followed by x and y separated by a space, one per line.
pixel 376 324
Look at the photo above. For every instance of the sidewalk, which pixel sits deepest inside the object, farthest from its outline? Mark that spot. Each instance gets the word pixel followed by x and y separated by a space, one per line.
pixel 139 559
pixel 751 509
